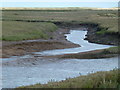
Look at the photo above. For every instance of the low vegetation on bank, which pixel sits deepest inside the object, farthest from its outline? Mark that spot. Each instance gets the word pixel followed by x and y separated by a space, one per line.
pixel 104 53
pixel 14 31
pixel 105 79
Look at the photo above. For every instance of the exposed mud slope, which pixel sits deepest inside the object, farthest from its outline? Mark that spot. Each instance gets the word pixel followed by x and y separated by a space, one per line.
pixel 106 38
pixel 92 35
pixel 25 48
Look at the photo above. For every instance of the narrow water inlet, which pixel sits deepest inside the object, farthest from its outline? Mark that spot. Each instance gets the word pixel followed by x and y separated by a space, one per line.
pixel 75 36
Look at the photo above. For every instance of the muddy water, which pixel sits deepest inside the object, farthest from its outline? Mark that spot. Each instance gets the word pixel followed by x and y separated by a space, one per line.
pixel 55 69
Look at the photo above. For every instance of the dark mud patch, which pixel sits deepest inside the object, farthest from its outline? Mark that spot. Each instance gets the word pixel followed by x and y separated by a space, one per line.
pixel 106 38
pixel 92 34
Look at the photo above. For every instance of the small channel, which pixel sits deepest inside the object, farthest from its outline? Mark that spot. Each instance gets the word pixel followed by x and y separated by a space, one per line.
pixel 57 69
pixel 75 36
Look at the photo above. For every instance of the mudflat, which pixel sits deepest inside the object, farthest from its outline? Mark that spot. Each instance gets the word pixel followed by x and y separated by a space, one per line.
pixel 18 48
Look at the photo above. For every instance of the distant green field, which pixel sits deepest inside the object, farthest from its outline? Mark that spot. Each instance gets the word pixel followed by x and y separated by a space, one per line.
pixel 105 18
pixel 106 79
pixel 14 31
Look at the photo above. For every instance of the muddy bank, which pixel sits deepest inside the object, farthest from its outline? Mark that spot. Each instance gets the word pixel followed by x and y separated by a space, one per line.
pixel 18 48
pixel 107 38
pixel 92 36
pixel 33 61
pixel 95 54
pixel 57 40
pixel 28 62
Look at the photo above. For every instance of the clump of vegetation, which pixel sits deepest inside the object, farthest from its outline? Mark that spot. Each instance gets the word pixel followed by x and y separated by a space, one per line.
pixel 14 31
pixel 101 32
pixel 114 50
pixel 105 79
pixel 104 53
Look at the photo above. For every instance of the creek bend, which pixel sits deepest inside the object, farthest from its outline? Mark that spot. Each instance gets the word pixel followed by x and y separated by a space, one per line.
pixel 57 69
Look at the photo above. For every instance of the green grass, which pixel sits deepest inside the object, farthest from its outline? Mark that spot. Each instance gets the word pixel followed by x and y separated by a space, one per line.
pixel 105 79
pixel 114 50
pixel 105 18
pixel 101 32
pixel 14 31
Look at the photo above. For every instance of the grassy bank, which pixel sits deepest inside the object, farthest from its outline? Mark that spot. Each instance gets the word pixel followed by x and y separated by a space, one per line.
pixel 14 31
pixel 106 79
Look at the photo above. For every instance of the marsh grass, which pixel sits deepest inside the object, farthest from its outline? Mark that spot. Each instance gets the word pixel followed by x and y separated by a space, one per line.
pixel 114 50
pixel 16 19
pixel 14 31
pixel 107 18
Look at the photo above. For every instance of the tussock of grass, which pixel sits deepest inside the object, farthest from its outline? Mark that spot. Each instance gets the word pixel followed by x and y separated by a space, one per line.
pixel 101 32
pixel 114 50
pixel 14 31
pixel 106 79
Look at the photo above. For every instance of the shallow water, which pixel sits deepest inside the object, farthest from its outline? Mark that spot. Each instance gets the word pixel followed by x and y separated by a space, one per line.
pixel 76 37
pixel 57 69
pixel 54 70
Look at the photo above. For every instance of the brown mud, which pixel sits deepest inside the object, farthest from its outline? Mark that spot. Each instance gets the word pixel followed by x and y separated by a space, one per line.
pixel 19 48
